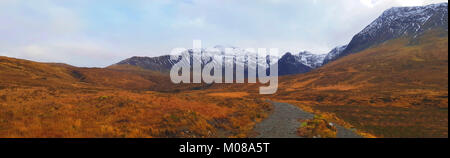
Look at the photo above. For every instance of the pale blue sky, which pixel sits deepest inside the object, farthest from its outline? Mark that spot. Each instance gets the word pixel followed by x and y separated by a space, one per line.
pixel 102 32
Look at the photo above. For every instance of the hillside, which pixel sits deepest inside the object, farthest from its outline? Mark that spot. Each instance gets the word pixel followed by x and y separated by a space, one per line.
pixel 396 89
pixel 395 23
pixel 16 72
pixel 23 73
pixel 57 100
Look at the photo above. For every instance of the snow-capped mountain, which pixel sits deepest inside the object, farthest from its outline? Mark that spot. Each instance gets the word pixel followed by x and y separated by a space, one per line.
pixel 208 55
pixel 299 63
pixel 408 20
pixel 393 23
pixel 241 56
pixel 333 54
pixel 291 64
pixel 309 59
pixel 398 22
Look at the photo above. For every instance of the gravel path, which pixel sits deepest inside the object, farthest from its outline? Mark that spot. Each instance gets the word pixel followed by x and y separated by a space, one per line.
pixel 283 123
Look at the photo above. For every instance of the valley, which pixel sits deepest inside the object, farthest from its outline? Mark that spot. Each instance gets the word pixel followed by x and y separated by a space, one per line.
pixel 390 81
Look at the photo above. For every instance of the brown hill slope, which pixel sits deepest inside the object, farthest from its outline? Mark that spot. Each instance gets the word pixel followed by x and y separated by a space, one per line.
pixel 396 89
pixel 17 72
pixel 57 100
pixel 20 72
pixel 43 112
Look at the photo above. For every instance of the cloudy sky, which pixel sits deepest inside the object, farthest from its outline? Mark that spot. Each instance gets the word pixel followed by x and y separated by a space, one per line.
pixel 102 32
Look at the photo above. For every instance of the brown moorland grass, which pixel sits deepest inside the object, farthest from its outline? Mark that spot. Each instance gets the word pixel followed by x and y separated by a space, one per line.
pixel 396 89
pixel 45 112
pixel 56 100
pixel 229 94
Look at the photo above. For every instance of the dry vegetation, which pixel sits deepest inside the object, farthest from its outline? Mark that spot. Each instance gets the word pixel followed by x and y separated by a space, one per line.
pixel 396 89
pixel 317 128
pixel 55 100
pixel 229 94
pixel 46 112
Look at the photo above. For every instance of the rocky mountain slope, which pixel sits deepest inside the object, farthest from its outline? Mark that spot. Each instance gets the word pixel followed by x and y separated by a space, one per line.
pixel 333 54
pixel 165 63
pixel 397 22
pixel 309 59
pixel 289 64
pixel 161 63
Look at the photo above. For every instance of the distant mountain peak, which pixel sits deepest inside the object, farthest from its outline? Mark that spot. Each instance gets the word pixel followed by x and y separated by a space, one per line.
pixel 289 64
pixel 334 53
pixel 406 20
pixel 310 59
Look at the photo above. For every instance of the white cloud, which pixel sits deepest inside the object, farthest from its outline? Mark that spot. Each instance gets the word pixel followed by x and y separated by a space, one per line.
pixel 47 32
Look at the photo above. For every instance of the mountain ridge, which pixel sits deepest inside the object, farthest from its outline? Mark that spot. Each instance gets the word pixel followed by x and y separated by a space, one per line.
pixel 304 60
pixel 397 22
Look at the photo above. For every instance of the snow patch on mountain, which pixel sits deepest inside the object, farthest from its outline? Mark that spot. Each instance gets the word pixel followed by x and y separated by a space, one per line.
pixel 394 23
pixel 309 59
pixel 403 19
pixel 333 54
